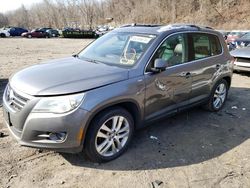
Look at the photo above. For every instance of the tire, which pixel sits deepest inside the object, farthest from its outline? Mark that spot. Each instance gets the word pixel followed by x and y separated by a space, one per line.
pixel 215 95
pixel 2 35
pixel 29 36
pixel 111 148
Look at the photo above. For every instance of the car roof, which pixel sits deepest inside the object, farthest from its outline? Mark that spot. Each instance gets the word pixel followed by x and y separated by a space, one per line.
pixel 159 29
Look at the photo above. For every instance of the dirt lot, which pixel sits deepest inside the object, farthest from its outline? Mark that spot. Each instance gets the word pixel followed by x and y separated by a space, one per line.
pixel 193 149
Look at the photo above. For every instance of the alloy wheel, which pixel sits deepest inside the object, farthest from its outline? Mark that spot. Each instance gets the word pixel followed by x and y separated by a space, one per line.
pixel 112 136
pixel 219 95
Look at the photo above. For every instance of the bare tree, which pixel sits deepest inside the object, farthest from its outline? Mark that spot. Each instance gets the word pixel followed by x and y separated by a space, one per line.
pixel 3 20
pixel 89 13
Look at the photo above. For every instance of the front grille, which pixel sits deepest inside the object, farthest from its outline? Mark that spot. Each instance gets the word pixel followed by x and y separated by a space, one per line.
pixel 243 60
pixel 15 100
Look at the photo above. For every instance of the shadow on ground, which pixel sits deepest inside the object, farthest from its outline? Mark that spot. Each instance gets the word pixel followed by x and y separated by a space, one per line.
pixel 188 138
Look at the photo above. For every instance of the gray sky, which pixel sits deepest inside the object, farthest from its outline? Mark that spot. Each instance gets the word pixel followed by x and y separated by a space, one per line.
pixel 8 5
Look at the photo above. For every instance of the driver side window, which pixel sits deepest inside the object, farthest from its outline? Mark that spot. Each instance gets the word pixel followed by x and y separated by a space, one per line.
pixel 174 50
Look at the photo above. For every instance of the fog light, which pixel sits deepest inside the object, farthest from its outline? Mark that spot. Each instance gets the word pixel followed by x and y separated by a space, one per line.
pixel 57 136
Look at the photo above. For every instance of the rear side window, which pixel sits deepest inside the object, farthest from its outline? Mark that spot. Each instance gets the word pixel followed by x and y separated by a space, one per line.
pixel 205 45
pixel 215 45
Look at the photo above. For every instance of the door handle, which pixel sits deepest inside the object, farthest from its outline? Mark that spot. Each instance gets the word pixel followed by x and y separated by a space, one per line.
pixel 185 74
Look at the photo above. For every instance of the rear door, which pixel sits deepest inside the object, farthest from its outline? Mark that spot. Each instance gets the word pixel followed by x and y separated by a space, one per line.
pixel 205 50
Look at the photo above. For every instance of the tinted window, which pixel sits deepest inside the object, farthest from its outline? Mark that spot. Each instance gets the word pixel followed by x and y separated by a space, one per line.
pixel 215 45
pixel 174 50
pixel 205 45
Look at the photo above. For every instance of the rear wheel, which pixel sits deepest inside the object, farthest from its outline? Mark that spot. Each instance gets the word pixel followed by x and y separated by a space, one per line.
pixel 109 135
pixel 29 36
pixel 218 96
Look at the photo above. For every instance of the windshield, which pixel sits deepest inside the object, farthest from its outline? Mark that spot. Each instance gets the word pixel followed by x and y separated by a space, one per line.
pixel 117 48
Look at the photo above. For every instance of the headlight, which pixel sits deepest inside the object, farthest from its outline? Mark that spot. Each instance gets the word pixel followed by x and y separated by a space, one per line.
pixel 59 104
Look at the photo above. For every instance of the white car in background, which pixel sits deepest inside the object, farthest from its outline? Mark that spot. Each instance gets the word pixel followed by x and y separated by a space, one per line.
pixel 4 32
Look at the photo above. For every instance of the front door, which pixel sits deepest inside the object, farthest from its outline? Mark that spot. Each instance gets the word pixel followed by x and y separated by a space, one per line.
pixel 169 89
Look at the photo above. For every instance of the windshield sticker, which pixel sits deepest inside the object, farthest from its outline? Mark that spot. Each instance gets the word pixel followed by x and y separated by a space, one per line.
pixel 140 39
pixel 127 61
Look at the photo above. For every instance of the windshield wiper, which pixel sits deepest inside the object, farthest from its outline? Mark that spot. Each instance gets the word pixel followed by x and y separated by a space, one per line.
pixel 91 60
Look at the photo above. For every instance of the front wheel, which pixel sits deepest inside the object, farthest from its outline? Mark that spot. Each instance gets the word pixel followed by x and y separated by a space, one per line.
pixel 2 35
pixel 218 96
pixel 109 135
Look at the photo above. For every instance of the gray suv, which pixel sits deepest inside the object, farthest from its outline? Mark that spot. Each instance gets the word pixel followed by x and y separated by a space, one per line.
pixel 124 80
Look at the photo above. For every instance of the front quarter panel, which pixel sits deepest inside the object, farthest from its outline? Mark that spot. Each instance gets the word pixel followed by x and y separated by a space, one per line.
pixel 131 90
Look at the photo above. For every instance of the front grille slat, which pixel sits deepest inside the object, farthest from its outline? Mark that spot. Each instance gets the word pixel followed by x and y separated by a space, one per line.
pixel 22 103
pixel 20 98
pixel 16 101
pixel 16 106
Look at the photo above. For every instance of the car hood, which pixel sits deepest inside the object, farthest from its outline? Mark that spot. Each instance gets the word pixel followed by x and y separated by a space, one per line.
pixel 64 76
pixel 241 52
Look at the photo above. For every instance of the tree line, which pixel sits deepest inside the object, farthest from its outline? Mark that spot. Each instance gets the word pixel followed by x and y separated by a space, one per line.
pixel 86 14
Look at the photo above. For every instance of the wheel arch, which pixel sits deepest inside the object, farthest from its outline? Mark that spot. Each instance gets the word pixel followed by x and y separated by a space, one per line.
pixel 130 105
pixel 228 80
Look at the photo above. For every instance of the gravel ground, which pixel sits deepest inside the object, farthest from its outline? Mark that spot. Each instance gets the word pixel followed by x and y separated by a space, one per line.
pixel 195 148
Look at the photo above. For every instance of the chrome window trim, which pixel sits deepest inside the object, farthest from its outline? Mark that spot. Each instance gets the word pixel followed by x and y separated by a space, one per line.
pixel 188 62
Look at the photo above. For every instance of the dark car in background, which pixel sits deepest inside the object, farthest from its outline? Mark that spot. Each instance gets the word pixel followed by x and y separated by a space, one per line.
pixel 53 32
pixel 37 33
pixel 44 29
pixel 17 31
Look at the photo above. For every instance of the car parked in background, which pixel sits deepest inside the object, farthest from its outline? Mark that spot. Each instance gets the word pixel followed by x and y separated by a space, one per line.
pixel 243 41
pixel 232 36
pixel 102 29
pixel 17 31
pixel 53 32
pixel 126 79
pixel 4 32
pixel 37 33
pixel 44 29
pixel 242 59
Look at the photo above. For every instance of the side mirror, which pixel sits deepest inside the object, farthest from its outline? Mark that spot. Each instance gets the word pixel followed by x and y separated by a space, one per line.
pixel 159 65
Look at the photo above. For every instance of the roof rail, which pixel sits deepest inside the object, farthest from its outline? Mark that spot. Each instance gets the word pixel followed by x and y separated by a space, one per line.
pixel 171 25
pixel 207 27
pixel 141 25
pixel 191 25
